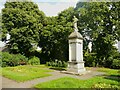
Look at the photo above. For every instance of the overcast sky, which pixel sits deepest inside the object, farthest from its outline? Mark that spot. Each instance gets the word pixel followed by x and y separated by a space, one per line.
pixel 50 7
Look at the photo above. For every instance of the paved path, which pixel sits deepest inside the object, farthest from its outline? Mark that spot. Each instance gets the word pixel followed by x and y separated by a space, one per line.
pixel 7 83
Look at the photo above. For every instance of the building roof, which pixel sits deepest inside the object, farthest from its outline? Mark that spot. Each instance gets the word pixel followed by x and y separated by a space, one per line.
pixel 75 34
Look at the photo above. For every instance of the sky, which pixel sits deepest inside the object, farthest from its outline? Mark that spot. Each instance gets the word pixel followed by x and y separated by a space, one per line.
pixel 50 7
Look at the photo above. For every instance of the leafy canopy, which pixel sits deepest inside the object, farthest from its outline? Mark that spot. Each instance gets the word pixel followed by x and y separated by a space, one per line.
pixel 23 21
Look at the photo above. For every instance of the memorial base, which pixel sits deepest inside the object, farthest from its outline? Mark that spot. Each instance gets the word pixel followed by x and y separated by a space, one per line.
pixel 76 67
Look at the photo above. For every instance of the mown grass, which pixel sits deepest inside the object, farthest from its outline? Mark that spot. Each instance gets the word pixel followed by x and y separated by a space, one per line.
pixel 99 81
pixel 24 73
pixel 114 72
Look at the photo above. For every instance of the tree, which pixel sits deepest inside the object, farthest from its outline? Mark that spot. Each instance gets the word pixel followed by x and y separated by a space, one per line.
pixel 0 26
pixel 54 38
pixel 65 27
pixel 24 22
pixel 100 21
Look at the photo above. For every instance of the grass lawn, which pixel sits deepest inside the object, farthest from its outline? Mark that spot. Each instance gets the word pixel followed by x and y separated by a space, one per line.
pixel 24 73
pixel 111 72
pixel 95 82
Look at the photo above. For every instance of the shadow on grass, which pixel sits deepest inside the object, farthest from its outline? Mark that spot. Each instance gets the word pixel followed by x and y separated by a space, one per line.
pixel 113 77
pixel 58 68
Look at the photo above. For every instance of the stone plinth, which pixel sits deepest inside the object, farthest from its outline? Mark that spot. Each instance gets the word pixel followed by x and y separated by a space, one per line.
pixel 77 67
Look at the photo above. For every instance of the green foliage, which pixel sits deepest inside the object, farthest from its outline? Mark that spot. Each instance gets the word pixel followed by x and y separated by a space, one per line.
pixel 54 37
pixel 99 22
pixel 13 59
pixel 65 64
pixel 113 56
pixel 57 63
pixel 104 85
pixel 5 58
pixel 89 59
pixel 22 59
pixel 0 26
pixel 34 61
pixel 116 64
pixel 23 21
pixel 29 28
pixel 0 62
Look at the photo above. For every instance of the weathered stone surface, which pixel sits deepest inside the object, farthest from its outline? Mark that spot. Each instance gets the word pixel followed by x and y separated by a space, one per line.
pixel 76 63
pixel 75 34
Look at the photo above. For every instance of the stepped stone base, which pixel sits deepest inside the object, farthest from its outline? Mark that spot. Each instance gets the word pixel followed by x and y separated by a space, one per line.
pixel 74 73
pixel 76 67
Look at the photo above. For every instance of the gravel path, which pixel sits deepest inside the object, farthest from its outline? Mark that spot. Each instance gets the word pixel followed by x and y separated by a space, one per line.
pixel 7 83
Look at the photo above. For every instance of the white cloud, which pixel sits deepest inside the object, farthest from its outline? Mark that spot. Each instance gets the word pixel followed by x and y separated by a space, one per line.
pixel 1 8
pixel 52 9
pixel 1 5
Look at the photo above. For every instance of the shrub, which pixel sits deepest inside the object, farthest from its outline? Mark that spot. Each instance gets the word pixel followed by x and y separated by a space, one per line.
pixel 22 59
pixel 48 63
pixel 89 59
pixel 104 85
pixel 116 64
pixel 0 62
pixel 18 59
pixel 13 59
pixel 57 63
pixel 34 61
pixel 6 59
pixel 65 64
pixel 108 62
pixel 60 64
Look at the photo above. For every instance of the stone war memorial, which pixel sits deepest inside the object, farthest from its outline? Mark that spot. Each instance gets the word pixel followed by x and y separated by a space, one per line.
pixel 75 63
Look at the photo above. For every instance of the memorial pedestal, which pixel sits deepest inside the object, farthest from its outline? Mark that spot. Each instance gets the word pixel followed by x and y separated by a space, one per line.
pixel 76 63
pixel 76 67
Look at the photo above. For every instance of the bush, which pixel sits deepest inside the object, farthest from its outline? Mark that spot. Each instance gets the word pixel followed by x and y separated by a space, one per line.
pixel 104 85
pixel 57 63
pixel 60 64
pixel 0 62
pixel 48 63
pixel 65 64
pixel 22 59
pixel 108 62
pixel 6 59
pixel 34 61
pixel 89 59
pixel 13 59
pixel 18 59
pixel 116 64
